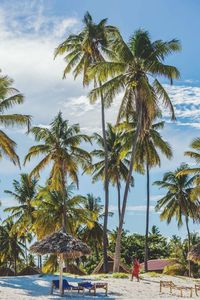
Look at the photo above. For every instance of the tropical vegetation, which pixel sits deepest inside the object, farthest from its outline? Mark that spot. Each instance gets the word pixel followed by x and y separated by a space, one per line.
pixel 48 198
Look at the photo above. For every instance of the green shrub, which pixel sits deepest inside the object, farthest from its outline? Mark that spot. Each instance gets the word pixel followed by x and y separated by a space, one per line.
pixel 175 269
pixel 120 275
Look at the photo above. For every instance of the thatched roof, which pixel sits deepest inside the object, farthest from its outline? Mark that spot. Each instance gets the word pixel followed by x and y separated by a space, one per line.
pixel 4 271
pixel 29 271
pixel 61 243
pixel 122 267
pixel 194 254
pixel 73 269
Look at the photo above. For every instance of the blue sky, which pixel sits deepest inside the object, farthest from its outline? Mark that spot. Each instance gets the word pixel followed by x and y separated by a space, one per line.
pixel 29 32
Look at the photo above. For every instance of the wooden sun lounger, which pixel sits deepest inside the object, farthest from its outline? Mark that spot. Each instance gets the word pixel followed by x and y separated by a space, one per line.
pixel 173 286
pixel 66 286
pixel 197 288
pixel 94 286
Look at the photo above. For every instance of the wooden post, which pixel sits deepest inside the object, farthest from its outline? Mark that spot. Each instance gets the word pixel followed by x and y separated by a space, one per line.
pixel 61 275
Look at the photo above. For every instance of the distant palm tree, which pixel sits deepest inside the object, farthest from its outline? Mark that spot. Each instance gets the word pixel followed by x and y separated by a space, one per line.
pixel 81 51
pixel 93 234
pixel 177 201
pixel 9 96
pixel 136 70
pixel 52 211
pixel 11 246
pixel 118 163
pixel 24 193
pixel 194 154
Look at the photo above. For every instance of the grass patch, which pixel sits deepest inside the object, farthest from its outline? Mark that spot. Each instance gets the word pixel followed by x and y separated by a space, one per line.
pixel 120 275
pixel 100 276
pixel 153 274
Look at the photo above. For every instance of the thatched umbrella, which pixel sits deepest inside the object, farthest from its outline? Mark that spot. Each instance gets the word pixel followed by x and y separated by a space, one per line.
pixel 194 254
pixel 62 244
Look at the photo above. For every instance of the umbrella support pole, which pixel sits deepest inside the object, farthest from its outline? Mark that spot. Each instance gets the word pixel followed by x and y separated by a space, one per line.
pixel 61 275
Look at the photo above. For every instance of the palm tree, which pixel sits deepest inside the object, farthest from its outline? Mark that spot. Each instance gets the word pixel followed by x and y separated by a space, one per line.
pixel 11 246
pixel 118 163
pixel 51 209
pixel 61 147
pixel 147 154
pixel 177 202
pixel 194 154
pixel 9 96
pixel 24 193
pixel 93 234
pixel 81 52
pixel 137 71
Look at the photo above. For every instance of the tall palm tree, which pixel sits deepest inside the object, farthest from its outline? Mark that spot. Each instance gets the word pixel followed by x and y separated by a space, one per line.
pixel 93 234
pixel 51 209
pixel 118 163
pixel 11 246
pixel 147 154
pixel 177 201
pixel 9 97
pixel 61 147
pixel 81 51
pixel 24 193
pixel 136 71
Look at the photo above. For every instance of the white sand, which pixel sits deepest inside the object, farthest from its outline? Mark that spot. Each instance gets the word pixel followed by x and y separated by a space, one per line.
pixel 35 287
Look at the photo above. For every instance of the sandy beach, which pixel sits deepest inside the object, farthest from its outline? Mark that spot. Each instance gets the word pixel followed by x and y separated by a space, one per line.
pixel 35 287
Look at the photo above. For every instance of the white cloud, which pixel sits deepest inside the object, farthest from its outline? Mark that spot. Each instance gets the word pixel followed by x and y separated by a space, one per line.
pixel 187 104
pixel 28 38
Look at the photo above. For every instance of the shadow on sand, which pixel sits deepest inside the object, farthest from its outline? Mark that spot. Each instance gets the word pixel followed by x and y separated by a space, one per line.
pixel 39 286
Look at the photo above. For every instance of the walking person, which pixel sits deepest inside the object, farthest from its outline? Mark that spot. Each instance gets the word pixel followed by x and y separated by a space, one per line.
pixel 135 270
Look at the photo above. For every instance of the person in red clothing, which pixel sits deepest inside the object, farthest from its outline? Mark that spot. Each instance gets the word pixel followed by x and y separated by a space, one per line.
pixel 135 269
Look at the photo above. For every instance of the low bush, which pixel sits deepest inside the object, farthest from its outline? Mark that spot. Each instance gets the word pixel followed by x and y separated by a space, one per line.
pixel 175 269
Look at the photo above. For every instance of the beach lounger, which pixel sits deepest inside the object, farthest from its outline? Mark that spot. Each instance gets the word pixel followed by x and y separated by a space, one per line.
pixel 173 286
pixel 197 288
pixel 166 284
pixel 94 286
pixel 66 286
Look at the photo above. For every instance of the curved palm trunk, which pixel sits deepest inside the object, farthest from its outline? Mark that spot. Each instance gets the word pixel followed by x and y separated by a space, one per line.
pixel 189 244
pixel 106 183
pixel 147 221
pixel 128 181
pixel 119 198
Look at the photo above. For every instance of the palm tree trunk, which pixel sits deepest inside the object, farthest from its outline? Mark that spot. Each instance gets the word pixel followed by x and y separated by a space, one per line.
pixel 106 183
pixel 189 244
pixel 26 253
pixel 64 219
pixel 147 221
pixel 15 264
pixel 128 181
pixel 40 258
pixel 119 198
pixel 96 250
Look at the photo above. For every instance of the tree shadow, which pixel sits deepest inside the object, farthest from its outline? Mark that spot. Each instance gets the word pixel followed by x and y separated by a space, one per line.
pixel 35 285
